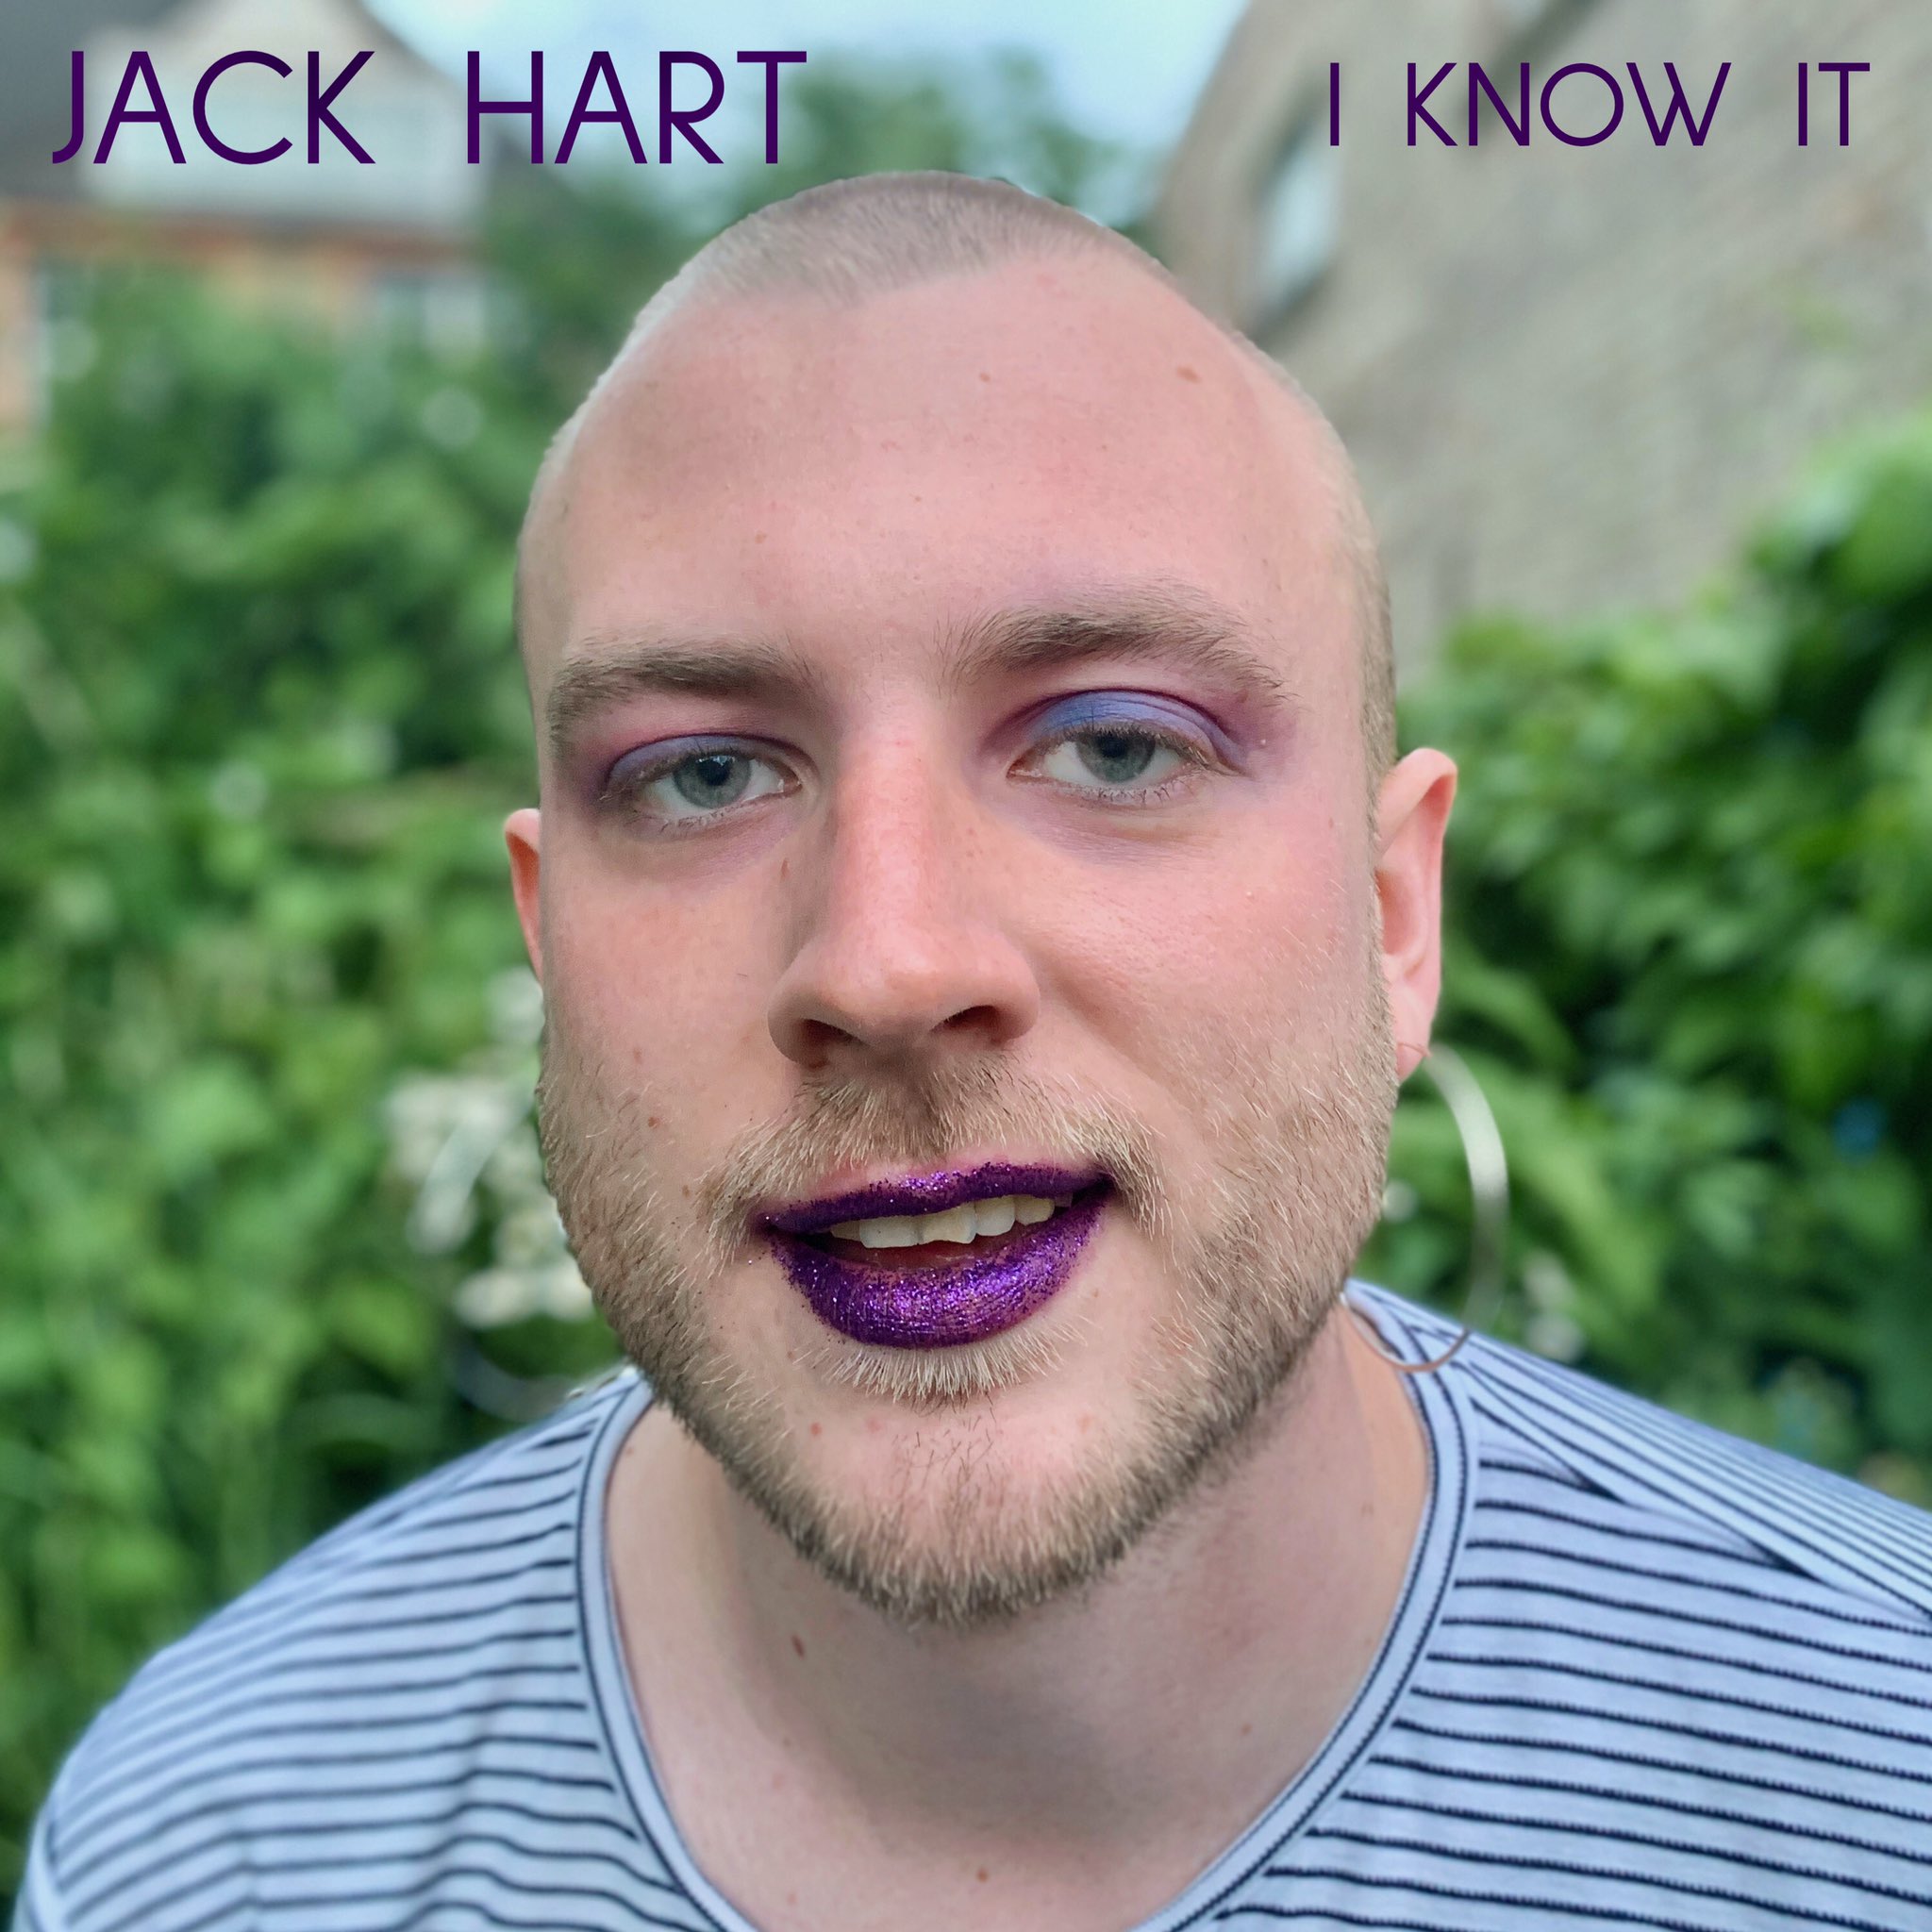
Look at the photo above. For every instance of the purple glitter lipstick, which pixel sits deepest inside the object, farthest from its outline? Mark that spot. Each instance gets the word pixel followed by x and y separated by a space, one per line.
pixel 938 1294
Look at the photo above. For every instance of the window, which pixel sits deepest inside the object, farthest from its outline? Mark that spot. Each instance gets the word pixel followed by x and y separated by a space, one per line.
pixel 63 344
pixel 1297 223
pixel 444 310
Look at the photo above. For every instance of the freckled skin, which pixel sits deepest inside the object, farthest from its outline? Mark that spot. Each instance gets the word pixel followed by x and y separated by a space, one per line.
pixel 850 478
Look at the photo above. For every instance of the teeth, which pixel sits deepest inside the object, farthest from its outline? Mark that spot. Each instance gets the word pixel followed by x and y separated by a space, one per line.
pixel 995 1217
pixel 963 1223
pixel 955 1224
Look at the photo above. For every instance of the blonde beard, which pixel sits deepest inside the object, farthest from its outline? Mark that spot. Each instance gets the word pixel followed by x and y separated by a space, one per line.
pixel 1257 1260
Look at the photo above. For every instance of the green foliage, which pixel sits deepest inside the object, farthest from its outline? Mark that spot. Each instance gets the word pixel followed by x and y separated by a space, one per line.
pixel 260 720
pixel 260 731
pixel 1689 908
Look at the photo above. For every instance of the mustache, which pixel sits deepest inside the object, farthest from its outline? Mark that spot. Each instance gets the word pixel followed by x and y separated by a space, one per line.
pixel 925 1119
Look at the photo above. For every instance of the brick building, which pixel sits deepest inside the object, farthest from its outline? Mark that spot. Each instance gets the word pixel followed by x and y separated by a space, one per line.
pixel 1568 374
pixel 349 243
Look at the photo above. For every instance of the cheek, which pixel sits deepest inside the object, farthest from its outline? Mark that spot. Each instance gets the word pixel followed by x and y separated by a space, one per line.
pixel 1223 944
pixel 664 985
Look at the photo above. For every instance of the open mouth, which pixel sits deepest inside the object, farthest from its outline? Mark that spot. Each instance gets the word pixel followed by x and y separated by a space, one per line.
pixel 994 1246
pixel 975 1228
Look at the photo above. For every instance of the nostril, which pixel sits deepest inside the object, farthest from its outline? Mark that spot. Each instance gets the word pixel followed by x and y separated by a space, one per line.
pixel 963 994
pixel 818 1039
pixel 983 1018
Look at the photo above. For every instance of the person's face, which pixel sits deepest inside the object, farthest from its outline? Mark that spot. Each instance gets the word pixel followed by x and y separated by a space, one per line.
pixel 937 844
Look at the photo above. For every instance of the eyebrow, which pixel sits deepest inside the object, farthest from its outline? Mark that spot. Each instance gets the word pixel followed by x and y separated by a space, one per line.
pixel 604 672
pixel 1145 625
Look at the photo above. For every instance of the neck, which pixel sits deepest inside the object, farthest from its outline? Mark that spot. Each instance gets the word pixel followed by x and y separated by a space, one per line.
pixel 1168 1703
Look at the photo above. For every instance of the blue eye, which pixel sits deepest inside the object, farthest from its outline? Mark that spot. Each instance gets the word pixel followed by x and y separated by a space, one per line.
pixel 711 778
pixel 686 783
pixel 1116 755
pixel 1129 748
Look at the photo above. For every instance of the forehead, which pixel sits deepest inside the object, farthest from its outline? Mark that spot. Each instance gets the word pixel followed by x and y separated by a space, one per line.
pixel 859 477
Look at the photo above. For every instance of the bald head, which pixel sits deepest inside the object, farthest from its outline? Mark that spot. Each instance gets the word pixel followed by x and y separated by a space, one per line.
pixel 850 241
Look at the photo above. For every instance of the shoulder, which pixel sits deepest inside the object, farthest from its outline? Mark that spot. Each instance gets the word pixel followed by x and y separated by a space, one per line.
pixel 1639 1589
pixel 1592 1459
pixel 1608 1459
pixel 1681 1673
pixel 434 1629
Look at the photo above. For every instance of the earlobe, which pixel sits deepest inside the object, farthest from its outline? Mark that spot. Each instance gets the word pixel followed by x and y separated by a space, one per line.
pixel 1412 819
pixel 521 833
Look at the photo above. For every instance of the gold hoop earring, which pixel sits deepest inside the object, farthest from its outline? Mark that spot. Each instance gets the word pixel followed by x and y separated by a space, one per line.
pixel 1488 1185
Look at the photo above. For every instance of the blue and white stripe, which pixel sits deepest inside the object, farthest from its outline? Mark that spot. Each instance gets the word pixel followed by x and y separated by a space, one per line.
pixel 1641 1675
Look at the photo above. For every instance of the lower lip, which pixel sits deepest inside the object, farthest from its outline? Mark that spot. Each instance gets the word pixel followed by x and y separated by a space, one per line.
pixel 946 1303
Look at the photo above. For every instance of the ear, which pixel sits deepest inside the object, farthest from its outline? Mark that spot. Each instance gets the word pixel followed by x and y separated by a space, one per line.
pixel 1412 815
pixel 521 833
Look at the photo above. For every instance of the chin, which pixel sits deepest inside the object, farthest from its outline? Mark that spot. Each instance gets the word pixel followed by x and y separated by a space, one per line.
pixel 957 1488
pixel 967 1517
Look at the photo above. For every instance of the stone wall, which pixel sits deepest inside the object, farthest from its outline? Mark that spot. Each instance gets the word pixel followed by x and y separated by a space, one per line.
pixel 1570 376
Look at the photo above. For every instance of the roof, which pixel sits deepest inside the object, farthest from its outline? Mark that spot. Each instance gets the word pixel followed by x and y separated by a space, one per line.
pixel 36 46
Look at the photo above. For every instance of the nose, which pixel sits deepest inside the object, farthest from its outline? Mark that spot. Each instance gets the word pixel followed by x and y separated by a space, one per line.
pixel 902 952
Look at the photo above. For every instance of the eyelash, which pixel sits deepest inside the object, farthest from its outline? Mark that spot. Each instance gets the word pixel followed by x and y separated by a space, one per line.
pixel 624 793
pixel 1195 758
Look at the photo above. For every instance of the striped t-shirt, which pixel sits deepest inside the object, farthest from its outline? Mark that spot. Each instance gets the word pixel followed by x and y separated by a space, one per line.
pixel 1639 1674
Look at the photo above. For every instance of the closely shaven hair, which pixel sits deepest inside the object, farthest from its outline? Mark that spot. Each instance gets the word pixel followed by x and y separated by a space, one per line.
pixel 849 240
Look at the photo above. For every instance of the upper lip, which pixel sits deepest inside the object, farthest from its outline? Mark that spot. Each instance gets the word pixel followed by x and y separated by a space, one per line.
pixel 929 1193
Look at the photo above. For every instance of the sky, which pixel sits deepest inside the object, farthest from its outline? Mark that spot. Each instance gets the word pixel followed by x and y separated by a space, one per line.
pixel 1131 73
